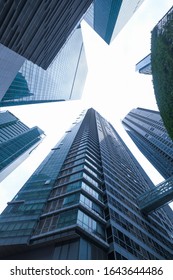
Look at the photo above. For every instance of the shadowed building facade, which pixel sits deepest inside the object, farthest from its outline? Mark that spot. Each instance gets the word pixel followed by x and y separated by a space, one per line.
pixel 63 80
pixel 37 30
pixel 10 63
pixel 17 141
pixel 146 129
pixel 47 35
pixel 81 203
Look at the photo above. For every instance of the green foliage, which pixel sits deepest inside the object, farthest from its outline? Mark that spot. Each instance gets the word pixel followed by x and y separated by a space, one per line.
pixel 162 71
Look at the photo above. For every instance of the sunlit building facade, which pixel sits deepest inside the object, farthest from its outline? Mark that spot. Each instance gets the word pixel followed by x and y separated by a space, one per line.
pixel 144 65
pixel 108 17
pixel 146 129
pixel 81 203
pixel 63 80
pixel 17 141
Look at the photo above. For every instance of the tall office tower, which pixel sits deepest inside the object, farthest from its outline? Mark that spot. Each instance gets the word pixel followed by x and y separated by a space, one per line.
pixel 148 132
pixel 144 65
pixel 108 17
pixel 81 203
pixel 17 141
pixel 63 80
pixel 37 30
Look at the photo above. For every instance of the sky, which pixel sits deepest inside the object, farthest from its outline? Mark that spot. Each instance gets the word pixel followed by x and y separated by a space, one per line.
pixel 112 88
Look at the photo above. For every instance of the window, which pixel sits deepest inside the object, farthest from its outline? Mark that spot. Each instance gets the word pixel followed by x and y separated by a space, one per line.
pixel 67 218
pixel 71 199
pixel 91 205
pixel 91 171
pixel 91 191
pixel 90 224
pixel 92 181
pixel 55 222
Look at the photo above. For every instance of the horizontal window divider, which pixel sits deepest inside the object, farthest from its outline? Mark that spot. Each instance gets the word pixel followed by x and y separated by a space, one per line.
pixel 91 213
pixel 99 181
pixel 53 232
pixel 19 219
pixel 16 202
pixel 67 183
pixel 60 210
pixel 98 172
pixel 92 186
pixel 93 236
pixel 69 174
pixel 75 165
pixel 64 194
pixel 94 199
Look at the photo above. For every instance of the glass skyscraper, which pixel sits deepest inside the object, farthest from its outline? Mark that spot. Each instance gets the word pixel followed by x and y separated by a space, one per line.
pixel 10 63
pixel 16 142
pixel 146 129
pixel 81 203
pixel 48 35
pixel 108 17
pixel 144 65
pixel 63 80
pixel 38 30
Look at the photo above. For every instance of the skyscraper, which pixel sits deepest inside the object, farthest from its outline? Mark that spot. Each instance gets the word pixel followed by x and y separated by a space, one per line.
pixel 144 65
pixel 16 142
pixel 148 132
pixel 10 63
pixel 54 43
pixel 81 203
pixel 63 80
pixel 108 17
pixel 37 30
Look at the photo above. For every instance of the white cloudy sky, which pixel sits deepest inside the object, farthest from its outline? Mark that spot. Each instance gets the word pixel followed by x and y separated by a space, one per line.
pixel 113 88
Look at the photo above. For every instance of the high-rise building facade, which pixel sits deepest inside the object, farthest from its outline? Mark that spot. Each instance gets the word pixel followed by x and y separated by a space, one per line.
pixel 146 129
pixel 144 65
pixel 108 17
pixel 63 80
pixel 16 142
pixel 55 44
pixel 37 30
pixel 10 63
pixel 81 203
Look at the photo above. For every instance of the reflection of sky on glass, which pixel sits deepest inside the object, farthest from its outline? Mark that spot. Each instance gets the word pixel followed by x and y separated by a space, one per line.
pixel 65 77
pixel 128 8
